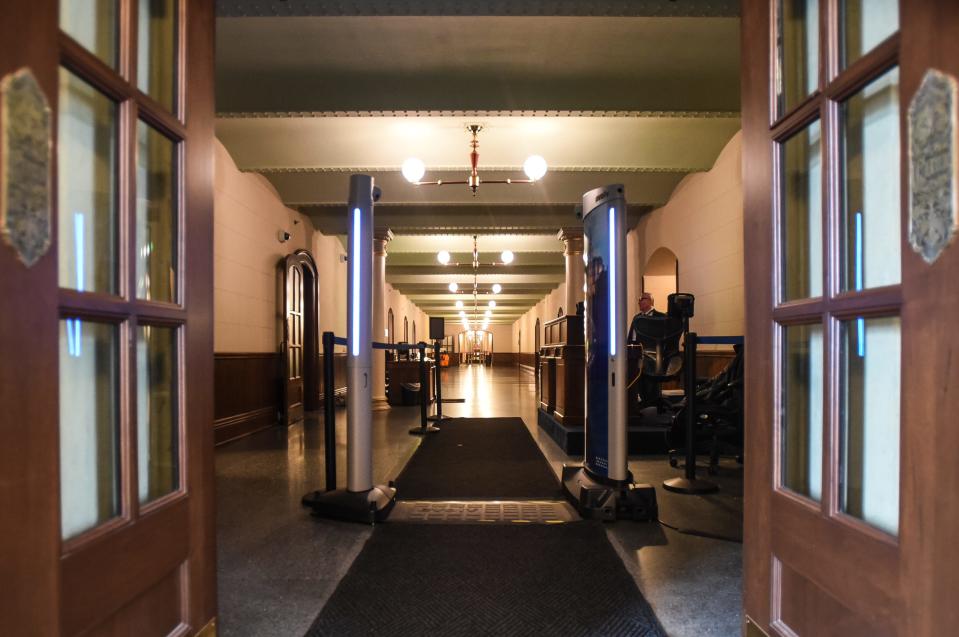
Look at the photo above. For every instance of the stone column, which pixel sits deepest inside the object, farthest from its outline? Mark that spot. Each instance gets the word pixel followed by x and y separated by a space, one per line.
pixel 575 268
pixel 381 237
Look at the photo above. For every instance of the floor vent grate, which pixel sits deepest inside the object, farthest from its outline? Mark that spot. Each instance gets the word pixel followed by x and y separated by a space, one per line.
pixel 484 512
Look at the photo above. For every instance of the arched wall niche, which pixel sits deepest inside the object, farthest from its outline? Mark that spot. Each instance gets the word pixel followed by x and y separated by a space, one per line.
pixel 661 276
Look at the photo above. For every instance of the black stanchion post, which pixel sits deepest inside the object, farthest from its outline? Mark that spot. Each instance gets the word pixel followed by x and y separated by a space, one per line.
pixel 439 386
pixel 425 427
pixel 689 483
pixel 329 411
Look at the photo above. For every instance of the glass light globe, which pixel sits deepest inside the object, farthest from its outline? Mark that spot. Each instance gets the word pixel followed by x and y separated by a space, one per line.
pixel 453 287
pixel 492 303
pixel 463 313
pixel 534 167
pixel 459 305
pixel 488 313
pixel 413 170
pixel 443 257
pixel 506 256
pixel 497 288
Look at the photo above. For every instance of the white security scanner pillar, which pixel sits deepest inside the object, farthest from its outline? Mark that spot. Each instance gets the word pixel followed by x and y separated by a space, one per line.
pixel 361 500
pixel 602 487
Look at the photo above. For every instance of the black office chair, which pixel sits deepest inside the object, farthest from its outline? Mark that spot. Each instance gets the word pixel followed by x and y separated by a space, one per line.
pixel 720 421
pixel 655 358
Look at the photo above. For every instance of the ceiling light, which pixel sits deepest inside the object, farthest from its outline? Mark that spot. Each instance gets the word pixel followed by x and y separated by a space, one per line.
pixel 413 170
pixel 534 167
pixel 492 303
pixel 506 256
pixel 443 257
pixel 497 288
pixel 453 287
pixel 488 313
pixel 459 305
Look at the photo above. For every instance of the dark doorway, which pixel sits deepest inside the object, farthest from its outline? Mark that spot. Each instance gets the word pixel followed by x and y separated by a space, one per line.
pixel 300 339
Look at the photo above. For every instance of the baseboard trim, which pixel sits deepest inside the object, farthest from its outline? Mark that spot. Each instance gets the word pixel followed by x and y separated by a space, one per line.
pixel 527 368
pixel 243 424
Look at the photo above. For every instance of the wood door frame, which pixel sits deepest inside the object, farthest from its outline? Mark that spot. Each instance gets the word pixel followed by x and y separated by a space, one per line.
pixel 912 578
pixel 62 587
pixel 304 262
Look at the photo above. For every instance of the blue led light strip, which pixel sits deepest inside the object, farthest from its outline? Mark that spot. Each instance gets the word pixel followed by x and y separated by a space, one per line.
pixel 355 331
pixel 860 322
pixel 612 282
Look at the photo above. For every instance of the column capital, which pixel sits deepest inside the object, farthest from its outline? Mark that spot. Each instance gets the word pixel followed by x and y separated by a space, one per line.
pixel 573 238
pixel 381 236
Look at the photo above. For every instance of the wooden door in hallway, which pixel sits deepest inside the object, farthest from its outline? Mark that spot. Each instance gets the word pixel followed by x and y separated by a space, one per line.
pixel 106 372
pixel 851 339
pixel 300 336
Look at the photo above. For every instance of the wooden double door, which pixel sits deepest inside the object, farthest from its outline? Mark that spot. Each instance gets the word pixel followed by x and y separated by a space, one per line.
pixel 849 156
pixel 106 334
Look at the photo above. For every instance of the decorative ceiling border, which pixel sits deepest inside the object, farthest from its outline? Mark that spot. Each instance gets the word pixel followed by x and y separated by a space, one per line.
pixel 663 114
pixel 535 8
pixel 272 170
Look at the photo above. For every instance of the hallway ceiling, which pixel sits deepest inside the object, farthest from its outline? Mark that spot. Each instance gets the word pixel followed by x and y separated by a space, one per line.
pixel 639 92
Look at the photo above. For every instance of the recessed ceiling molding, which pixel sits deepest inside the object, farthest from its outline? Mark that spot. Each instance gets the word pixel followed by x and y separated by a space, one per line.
pixel 533 8
pixel 274 170
pixel 480 113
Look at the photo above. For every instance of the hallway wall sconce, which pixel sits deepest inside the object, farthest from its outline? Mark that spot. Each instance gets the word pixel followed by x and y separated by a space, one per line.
pixel 535 168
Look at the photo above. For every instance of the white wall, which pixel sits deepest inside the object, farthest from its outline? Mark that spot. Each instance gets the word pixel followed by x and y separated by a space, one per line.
pixel 545 310
pixel 702 224
pixel 248 214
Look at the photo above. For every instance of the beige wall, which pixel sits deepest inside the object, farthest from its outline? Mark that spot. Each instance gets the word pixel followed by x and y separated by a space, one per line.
pixel 248 214
pixel 702 224
pixel 525 327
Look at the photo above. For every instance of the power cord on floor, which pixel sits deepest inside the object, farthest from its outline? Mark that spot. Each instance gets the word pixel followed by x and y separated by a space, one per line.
pixel 705 534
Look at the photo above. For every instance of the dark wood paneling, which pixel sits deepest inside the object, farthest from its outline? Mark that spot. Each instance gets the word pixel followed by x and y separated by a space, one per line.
pixel 247 393
pixel 506 359
pixel 162 535
pixel 525 359
pixel 29 455
pixel 154 614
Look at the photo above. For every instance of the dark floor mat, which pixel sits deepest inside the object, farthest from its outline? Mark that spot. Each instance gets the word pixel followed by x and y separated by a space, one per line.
pixel 562 579
pixel 472 458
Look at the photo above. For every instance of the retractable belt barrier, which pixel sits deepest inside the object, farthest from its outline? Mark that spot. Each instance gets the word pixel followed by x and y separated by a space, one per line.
pixel 330 340
pixel 690 484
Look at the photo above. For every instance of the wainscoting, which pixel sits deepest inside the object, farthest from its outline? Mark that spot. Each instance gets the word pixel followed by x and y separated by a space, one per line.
pixel 248 392
pixel 503 359
pixel 526 361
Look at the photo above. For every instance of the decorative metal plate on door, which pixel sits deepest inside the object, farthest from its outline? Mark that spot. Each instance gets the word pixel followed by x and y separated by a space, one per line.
pixel 25 173
pixel 933 217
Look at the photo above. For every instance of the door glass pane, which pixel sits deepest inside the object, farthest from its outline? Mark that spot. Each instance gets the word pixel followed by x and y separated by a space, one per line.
pixel 158 458
pixel 870 180
pixel 798 59
pixel 89 425
pixel 864 24
pixel 801 214
pixel 156 216
pixel 86 187
pixel 92 23
pixel 869 421
pixel 156 50
pixel 801 409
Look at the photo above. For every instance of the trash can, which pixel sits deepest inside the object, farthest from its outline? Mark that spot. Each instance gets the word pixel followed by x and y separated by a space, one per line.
pixel 409 394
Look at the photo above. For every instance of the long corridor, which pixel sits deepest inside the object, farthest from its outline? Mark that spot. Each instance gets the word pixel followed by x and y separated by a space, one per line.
pixel 278 566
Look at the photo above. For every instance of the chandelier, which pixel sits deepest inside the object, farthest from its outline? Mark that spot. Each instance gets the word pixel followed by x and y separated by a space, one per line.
pixel 414 169
pixel 506 257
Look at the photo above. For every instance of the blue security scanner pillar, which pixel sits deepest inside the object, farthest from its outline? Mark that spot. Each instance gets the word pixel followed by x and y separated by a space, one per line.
pixel 602 487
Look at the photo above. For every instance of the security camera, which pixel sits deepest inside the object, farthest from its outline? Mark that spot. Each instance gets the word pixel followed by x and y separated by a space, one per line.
pixel 377 193
pixel 283 236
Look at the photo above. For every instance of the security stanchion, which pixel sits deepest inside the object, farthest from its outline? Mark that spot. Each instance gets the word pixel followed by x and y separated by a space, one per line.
pixel 425 427
pixel 438 417
pixel 689 483
pixel 329 419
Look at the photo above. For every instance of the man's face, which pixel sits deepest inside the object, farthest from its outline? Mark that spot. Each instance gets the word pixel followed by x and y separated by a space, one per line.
pixel 645 303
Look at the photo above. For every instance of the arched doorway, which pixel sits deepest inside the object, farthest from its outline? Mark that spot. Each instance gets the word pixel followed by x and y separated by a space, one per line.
pixel 391 334
pixel 536 346
pixel 300 338
pixel 661 277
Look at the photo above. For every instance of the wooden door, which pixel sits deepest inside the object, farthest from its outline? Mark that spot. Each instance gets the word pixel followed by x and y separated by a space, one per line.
pixel 106 370
pixel 300 336
pixel 850 522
